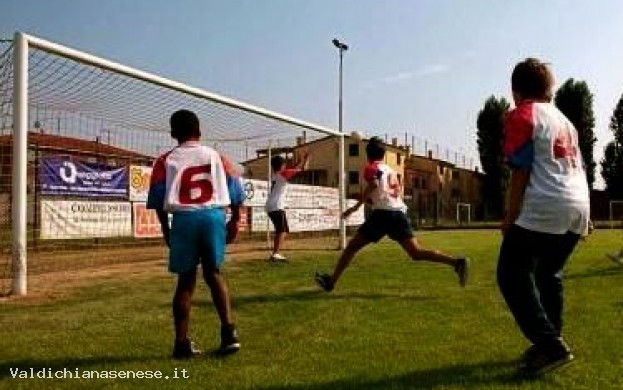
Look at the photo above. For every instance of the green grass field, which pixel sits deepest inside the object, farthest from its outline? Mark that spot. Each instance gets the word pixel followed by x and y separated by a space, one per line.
pixel 390 324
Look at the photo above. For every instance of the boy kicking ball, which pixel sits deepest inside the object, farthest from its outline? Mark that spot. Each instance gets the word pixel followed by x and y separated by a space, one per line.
pixel 389 218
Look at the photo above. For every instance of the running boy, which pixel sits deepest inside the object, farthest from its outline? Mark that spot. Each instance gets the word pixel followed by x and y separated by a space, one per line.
pixel 547 212
pixel 388 217
pixel 195 184
pixel 275 204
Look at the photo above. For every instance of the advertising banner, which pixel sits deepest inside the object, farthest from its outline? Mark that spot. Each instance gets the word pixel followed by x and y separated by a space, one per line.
pixel 62 176
pixel 139 183
pixel 85 219
pixel 146 224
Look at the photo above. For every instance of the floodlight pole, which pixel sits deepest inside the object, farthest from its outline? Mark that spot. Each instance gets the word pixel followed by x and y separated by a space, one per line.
pixel 20 164
pixel 342 47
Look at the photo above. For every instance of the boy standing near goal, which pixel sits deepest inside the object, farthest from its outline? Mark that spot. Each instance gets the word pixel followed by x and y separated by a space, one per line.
pixel 547 213
pixel 388 217
pixel 275 204
pixel 195 184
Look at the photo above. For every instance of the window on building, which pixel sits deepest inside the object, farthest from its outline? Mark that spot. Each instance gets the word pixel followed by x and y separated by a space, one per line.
pixel 398 159
pixel 353 150
pixel 455 175
pixel 423 183
pixel 353 177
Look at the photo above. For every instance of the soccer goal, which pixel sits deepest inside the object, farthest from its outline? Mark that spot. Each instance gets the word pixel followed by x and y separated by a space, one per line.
pixel 616 213
pixel 463 213
pixel 78 135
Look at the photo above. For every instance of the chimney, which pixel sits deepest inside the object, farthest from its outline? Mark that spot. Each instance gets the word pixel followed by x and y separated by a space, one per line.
pixel 300 141
pixel 430 154
pixel 395 141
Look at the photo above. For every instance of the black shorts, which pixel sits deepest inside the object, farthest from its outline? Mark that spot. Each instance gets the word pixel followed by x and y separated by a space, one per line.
pixel 279 221
pixel 379 223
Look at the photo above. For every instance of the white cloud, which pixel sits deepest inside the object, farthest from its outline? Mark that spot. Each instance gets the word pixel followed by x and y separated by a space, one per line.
pixel 425 71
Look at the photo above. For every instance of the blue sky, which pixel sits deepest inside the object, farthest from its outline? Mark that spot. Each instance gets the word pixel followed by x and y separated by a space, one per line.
pixel 419 66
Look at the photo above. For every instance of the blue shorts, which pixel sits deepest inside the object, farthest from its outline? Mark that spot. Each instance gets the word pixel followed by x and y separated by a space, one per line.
pixel 197 237
pixel 380 223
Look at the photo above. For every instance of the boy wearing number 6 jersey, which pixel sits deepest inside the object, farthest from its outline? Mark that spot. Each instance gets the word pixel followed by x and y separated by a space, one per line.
pixel 195 184
pixel 387 218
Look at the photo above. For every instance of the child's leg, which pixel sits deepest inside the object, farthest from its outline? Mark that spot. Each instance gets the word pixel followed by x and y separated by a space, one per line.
pixel 354 246
pixel 278 241
pixel 548 276
pixel 220 294
pixel 416 252
pixel 516 267
pixel 182 303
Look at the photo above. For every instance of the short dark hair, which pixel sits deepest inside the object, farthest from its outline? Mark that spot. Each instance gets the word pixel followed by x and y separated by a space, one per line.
pixel 375 149
pixel 277 162
pixel 533 79
pixel 184 125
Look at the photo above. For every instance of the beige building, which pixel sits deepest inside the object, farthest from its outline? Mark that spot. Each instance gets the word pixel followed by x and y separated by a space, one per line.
pixel 432 188
pixel 323 167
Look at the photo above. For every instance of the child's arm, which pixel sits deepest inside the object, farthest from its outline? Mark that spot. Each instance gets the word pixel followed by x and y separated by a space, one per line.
pixel 519 155
pixel 364 196
pixel 289 173
pixel 236 199
pixel 155 198
pixel 518 184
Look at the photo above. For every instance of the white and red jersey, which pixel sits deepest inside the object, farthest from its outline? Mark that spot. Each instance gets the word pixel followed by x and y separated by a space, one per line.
pixel 386 196
pixel 191 176
pixel 538 138
pixel 279 183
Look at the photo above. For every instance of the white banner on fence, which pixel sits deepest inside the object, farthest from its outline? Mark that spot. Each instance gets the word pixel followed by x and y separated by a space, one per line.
pixel 307 219
pixel 297 195
pixel 139 183
pixel 68 219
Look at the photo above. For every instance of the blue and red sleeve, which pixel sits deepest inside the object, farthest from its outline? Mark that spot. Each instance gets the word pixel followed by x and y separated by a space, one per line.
pixel 289 173
pixel 234 184
pixel 518 138
pixel 157 185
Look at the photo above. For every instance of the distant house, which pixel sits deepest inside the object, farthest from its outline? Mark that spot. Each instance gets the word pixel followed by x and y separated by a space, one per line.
pixel 323 169
pixel 432 188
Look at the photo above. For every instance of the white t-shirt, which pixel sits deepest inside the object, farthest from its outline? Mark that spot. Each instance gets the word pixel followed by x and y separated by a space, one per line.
pixel 387 195
pixel 277 197
pixel 541 140
pixel 191 176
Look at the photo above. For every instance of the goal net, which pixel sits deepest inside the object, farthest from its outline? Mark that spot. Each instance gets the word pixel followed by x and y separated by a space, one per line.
pixel 78 136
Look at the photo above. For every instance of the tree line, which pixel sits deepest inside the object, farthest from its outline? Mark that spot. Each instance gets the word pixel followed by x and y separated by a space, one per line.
pixel 575 100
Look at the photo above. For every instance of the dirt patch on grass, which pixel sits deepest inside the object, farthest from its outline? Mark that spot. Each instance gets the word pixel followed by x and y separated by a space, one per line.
pixel 54 275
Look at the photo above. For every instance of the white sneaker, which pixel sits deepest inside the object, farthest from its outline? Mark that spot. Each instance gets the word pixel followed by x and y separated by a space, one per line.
pixel 278 257
pixel 615 257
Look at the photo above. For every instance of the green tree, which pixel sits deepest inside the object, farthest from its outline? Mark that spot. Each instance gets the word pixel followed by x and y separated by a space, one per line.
pixel 575 100
pixel 490 135
pixel 612 164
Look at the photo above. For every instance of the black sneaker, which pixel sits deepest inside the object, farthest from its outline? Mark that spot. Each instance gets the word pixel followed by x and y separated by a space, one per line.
pixel 229 339
pixel 324 281
pixel 542 359
pixel 462 270
pixel 183 350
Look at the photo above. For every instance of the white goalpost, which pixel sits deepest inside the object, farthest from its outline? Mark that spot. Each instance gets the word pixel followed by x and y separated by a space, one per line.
pixel 89 117
pixel 616 212
pixel 463 213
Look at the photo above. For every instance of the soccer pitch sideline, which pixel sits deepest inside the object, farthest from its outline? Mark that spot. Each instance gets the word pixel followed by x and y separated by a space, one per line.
pixel 390 324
